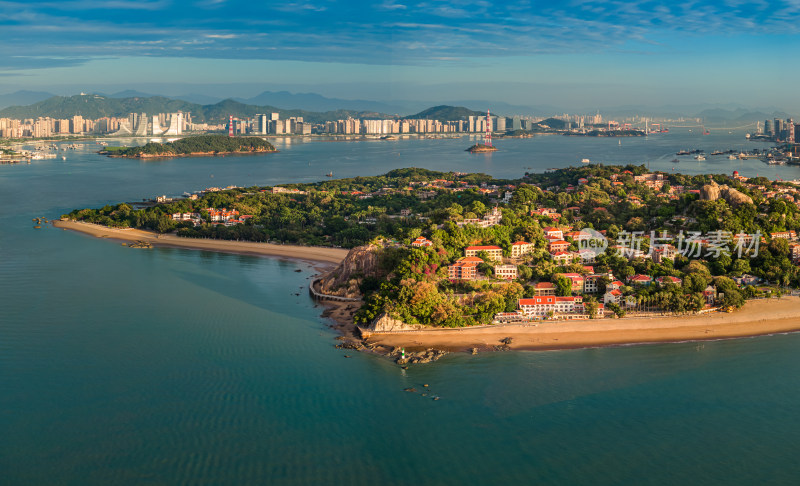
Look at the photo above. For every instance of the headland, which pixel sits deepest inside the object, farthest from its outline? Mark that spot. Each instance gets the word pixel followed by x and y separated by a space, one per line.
pixel 511 259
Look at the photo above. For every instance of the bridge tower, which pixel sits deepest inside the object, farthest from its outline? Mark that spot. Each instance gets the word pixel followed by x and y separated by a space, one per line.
pixel 487 137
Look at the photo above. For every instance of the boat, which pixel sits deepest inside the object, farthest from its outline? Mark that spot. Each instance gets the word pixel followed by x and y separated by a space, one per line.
pixel 675 161
pixel 329 174
pixel 699 157
pixel 731 157
pixel 63 157
pixel 585 161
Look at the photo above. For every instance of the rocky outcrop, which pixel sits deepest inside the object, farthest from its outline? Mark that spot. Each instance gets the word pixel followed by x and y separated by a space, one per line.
pixel 386 323
pixel 345 279
pixel 403 357
pixel 734 197
pixel 713 191
pixel 710 192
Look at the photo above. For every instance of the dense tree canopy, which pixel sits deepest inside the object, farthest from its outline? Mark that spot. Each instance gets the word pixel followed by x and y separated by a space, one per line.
pixel 403 204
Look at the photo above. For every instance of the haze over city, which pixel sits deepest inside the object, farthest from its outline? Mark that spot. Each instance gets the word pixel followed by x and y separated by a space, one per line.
pixel 572 55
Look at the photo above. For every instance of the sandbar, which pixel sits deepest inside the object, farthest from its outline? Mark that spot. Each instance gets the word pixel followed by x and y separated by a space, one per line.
pixel 328 256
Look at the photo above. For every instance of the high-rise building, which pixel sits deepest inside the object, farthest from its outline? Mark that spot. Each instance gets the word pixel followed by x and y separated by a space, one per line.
pixel 156 127
pixel 262 124
pixel 175 124
pixel 76 124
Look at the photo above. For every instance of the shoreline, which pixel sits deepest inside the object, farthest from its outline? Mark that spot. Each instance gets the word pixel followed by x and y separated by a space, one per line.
pixel 319 255
pixel 750 321
pixel 193 154
pixel 746 322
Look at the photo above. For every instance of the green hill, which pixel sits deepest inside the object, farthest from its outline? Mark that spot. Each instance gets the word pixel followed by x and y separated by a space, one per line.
pixel 207 144
pixel 445 113
pixel 96 106
pixel 553 123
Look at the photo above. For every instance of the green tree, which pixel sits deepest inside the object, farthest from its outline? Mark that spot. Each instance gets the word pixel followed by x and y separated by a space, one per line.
pixel 590 305
pixel 563 286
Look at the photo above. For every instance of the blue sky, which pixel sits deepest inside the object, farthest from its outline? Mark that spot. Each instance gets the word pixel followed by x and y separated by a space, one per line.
pixel 575 54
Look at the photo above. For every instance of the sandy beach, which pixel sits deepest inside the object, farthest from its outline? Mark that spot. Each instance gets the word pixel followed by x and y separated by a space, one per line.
pixel 760 317
pixel 328 256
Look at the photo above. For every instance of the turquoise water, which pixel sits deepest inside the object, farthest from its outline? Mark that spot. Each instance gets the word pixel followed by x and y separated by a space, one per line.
pixel 166 366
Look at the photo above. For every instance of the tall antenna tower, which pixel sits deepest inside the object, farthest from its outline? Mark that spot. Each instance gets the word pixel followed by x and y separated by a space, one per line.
pixel 230 125
pixel 487 137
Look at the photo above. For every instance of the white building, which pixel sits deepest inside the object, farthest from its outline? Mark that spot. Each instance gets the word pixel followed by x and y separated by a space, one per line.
pixel 505 272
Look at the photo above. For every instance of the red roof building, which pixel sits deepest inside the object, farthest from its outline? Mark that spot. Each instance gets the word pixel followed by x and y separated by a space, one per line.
pixel 566 307
pixel 421 242
pixel 544 288
pixel 520 248
pixel 557 245
pixel 494 252
pixel 464 269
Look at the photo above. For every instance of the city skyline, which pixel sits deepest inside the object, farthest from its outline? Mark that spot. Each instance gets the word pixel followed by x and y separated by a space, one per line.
pixel 574 55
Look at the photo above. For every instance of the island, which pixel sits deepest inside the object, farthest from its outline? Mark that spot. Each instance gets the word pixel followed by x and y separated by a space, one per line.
pixel 582 256
pixel 201 145
pixel 606 133
pixel 481 147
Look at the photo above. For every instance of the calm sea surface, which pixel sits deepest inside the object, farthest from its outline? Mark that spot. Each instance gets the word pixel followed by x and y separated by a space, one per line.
pixel 164 366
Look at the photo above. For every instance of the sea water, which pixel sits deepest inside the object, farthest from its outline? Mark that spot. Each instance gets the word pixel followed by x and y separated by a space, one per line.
pixel 169 366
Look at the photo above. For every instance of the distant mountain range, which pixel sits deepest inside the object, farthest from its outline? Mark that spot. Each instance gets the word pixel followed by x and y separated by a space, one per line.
pixel 316 108
pixel 730 114
pixel 445 113
pixel 316 102
pixel 98 106
pixel 739 115
pixel 23 98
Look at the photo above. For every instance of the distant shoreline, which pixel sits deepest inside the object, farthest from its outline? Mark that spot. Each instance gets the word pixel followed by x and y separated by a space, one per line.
pixel 193 154
pixel 327 256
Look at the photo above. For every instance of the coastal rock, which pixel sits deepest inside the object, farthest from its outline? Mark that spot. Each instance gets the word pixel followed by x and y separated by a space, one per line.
pixel 416 357
pixel 385 323
pixel 345 279
pixel 349 344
